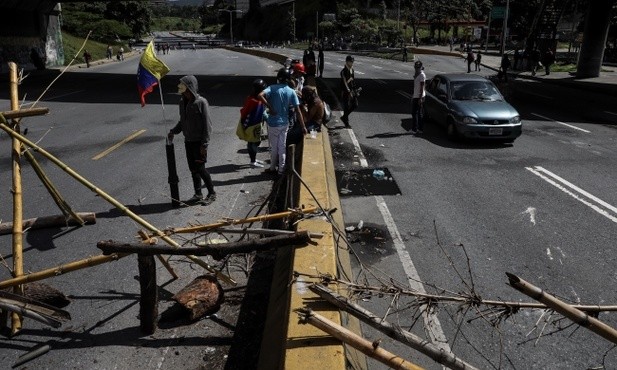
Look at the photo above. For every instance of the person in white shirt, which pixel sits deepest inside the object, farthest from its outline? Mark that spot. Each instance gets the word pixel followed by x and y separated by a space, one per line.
pixel 417 101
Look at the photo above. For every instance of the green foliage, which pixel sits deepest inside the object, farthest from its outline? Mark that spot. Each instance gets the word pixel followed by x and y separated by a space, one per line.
pixel 108 30
pixel 175 23
pixel 72 44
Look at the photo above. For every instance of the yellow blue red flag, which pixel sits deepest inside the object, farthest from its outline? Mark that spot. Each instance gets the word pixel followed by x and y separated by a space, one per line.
pixel 150 71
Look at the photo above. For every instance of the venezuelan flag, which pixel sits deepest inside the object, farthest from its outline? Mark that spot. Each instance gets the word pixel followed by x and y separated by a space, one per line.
pixel 149 72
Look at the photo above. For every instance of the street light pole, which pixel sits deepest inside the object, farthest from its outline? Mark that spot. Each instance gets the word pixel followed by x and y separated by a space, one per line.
pixel 505 28
pixel 231 23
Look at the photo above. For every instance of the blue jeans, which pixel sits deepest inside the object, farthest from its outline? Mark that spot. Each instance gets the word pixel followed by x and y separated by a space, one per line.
pixel 417 122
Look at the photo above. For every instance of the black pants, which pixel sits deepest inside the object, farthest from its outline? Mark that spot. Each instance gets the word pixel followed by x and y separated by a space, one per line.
pixel 197 165
pixel 252 148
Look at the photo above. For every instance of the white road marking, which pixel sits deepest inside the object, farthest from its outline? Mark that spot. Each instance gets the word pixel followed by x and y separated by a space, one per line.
pixel 575 192
pixel 405 94
pixel 360 73
pixel 614 114
pixel 561 123
pixel 548 253
pixel 531 211
pixel 356 144
pixel 378 67
pixel 432 325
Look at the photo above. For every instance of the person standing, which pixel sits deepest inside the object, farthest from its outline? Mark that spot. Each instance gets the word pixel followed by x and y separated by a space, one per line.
pixel 470 59
pixel 196 126
pixel 478 60
pixel 320 60
pixel 110 52
pixel 121 53
pixel 535 60
pixel 87 58
pixel 417 100
pixel 280 99
pixel 251 116
pixel 404 54
pixel 548 60
pixel 505 65
pixel 348 90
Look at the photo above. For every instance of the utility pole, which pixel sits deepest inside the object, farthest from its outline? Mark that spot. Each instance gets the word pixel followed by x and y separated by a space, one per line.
pixel 505 28
pixel 231 23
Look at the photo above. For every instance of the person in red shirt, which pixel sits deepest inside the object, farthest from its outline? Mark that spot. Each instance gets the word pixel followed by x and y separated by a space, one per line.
pixel 251 116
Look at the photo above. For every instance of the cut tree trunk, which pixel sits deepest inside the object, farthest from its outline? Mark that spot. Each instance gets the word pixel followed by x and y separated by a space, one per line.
pixel 203 296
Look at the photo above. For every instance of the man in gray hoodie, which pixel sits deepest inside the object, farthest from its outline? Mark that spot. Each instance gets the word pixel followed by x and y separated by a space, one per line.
pixel 196 126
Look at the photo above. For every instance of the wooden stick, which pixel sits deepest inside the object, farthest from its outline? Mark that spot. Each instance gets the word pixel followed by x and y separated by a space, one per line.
pixel 393 331
pixel 218 251
pixel 38 311
pixel 18 258
pixel 150 241
pixel 51 189
pixel 260 231
pixel 260 218
pixel 148 299
pixel 51 221
pixel 578 316
pixel 39 351
pixel 59 270
pixel 25 112
pixel 112 200
pixel 347 336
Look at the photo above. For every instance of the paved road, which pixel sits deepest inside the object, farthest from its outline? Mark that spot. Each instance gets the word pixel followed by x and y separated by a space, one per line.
pixel 92 110
pixel 543 208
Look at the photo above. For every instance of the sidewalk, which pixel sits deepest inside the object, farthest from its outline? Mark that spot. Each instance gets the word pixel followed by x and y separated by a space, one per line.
pixel 606 83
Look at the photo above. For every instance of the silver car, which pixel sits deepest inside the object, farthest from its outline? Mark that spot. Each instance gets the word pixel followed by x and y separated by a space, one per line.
pixel 471 106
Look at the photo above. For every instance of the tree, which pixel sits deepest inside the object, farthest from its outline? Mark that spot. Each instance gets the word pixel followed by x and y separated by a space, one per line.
pixel 135 14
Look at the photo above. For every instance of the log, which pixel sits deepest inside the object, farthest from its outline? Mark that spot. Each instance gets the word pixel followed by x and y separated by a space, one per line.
pixel 393 331
pixel 38 311
pixel 578 316
pixel 217 251
pixel 201 297
pixel 149 299
pixel 347 336
pixel 50 221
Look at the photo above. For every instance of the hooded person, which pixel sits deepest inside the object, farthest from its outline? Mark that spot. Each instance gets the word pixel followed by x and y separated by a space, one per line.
pixel 196 126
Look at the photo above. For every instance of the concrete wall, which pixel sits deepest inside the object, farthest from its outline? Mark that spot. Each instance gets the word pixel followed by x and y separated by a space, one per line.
pixel 22 31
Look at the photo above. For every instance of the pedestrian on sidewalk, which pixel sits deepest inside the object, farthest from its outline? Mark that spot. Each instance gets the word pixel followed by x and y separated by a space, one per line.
pixel 87 58
pixel 404 54
pixel 110 52
pixel 320 60
pixel 517 58
pixel 196 126
pixel 548 60
pixel 121 53
pixel 478 60
pixel 470 59
pixel 349 94
pixel 251 117
pixel 535 60
pixel 280 99
pixel 417 100
pixel 505 65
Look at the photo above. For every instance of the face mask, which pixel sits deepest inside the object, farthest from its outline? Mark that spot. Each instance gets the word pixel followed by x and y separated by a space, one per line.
pixel 181 88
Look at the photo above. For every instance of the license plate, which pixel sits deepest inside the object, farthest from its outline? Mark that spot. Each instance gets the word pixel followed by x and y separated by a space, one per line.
pixel 495 131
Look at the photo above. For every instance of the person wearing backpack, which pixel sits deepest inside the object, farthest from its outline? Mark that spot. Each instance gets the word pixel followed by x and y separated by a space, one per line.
pixel 252 115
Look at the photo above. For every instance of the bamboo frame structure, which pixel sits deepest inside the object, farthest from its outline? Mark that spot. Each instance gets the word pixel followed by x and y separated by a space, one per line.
pixel 113 201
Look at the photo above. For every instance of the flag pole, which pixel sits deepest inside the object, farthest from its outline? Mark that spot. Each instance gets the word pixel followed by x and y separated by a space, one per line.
pixel 172 177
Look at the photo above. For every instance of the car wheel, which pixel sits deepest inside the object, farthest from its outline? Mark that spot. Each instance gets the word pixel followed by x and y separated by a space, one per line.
pixel 451 131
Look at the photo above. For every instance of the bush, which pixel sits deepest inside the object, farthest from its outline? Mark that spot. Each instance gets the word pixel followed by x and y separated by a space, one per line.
pixel 109 30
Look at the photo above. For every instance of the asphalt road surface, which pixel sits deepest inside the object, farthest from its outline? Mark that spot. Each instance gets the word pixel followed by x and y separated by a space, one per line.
pixel 542 208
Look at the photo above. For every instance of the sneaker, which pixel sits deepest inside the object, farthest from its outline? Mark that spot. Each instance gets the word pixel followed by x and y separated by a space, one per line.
pixel 260 162
pixel 257 165
pixel 211 197
pixel 195 198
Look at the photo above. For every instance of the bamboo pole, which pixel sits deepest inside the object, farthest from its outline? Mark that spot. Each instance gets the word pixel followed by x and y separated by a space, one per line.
pixel 578 316
pixel 146 239
pixel 25 112
pixel 259 218
pixel 18 258
pixel 347 336
pixel 52 190
pixel 112 200
pixel 393 331
pixel 62 269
